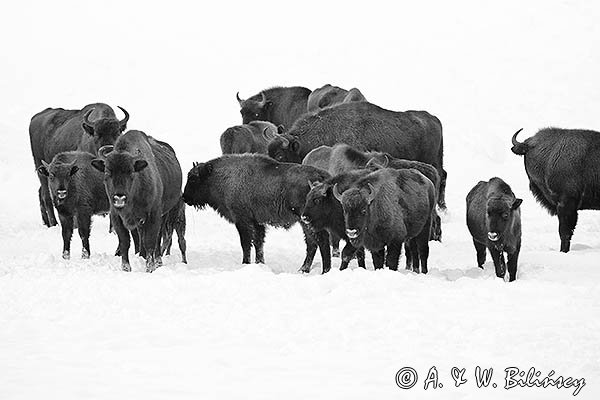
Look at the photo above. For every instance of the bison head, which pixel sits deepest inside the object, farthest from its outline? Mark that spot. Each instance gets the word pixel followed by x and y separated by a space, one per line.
pixel 285 148
pixel 499 216
pixel 196 188
pixel 121 173
pixel 104 131
pixel 320 206
pixel 355 203
pixel 255 110
pixel 59 179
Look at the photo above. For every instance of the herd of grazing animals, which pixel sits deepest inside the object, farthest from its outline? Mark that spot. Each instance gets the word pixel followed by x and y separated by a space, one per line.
pixel 341 166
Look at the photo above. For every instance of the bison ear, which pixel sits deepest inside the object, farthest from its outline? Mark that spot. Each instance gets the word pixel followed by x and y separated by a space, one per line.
pixel 295 146
pixel 43 170
pixel 74 170
pixel 268 105
pixel 88 128
pixel 139 165
pixel 209 168
pixel 98 164
pixel 516 204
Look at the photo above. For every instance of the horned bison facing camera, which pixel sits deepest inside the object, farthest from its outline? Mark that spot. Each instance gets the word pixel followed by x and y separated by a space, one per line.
pixel 494 220
pixel 253 191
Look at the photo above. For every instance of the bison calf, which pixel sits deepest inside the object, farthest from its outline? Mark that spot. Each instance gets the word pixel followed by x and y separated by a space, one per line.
pixel 494 220
pixel 252 191
pixel 77 191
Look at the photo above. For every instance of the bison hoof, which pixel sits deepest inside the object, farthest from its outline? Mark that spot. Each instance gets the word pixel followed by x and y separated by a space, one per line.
pixel 565 246
pixel 325 270
pixel 85 254
pixel 126 267
pixel 66 255
pixel 305 269
pixel 184 259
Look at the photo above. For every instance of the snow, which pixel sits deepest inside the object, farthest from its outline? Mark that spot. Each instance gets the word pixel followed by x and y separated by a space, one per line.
pixel 216 329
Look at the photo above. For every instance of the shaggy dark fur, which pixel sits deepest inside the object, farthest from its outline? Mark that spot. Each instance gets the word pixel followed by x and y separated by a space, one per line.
pixel 386 208
pixel 563 167
pixel 77 192
pixel 56 130
pixel 253 191
pixel 248 138
pixel 494 220
pixel 412 135
pixel 328 96
pixel 279 105
pixel 143 183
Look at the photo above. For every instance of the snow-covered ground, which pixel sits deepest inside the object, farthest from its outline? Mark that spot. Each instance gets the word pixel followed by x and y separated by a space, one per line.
pixel 82 329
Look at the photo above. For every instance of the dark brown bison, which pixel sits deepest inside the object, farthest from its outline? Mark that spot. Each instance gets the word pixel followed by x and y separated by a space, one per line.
pixel 328 95
pixel 411 135
pixel 56 130
pixel 494 220
pixel 142 178
pixel 386 208
pixel 563 166
pixel 252 137
pixel 279 105
pixel 77 192
pixel 253 191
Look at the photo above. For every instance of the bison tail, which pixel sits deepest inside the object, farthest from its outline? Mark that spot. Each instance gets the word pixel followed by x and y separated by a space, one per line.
pixel 519 148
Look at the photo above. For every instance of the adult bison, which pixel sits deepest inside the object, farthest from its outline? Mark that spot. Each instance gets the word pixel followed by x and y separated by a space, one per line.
pixel 279 105
pixel 142 178
pixel 328 95
pixel 412 135
pixel 253 191
pixel 494 221
pixel 252 137
pixel 55 130
pixel 386 208
pixel 563 166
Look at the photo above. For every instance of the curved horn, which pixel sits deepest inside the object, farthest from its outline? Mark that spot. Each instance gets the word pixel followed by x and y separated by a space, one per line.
pixel 104 150
pixel 514 138
pixel 266 136
pixel 123 122
pixel 263 100
pixel 237 96
pixel 86 117
pixel 386 162
pixel 371 194
pixel 336 193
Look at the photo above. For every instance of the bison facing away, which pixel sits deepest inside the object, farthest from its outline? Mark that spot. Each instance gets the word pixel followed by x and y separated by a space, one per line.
pixel 386 208
pixel 279 105
pixel 494 220
pixel 77 191
pixel 563 166
pixel 253 191
pixel 142 179
pixel 328 95
pixel 56 130
pixel 411 135
pixel 248 138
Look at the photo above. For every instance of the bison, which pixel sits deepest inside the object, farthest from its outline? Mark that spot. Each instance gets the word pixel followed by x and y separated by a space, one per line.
pixel 56 130
pixel 327 96
pixel 248 138
pixel 77 192
pixel 386 208
pixel 279 105
pixel 142 178
pixel 412 135
pixel 563 166
pixel 253 191
pixel 494 220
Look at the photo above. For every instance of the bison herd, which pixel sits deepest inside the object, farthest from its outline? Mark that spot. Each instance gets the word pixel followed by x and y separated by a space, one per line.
pixel 328 159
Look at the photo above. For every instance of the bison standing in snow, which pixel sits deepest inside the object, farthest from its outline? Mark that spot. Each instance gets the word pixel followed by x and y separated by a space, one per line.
pixel 253 191
pixel 563 166
pixel 494 220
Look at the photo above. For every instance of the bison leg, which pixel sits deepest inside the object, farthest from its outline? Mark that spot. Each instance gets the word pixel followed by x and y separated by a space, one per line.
pixel 259 242
pixel 393 255
pixel 180 229
pixel 311 249
pixel 480 249
pixel 43 208
pixel 413 249
pixel 46 202
pixel 567 220
pixel 84 222
pixel 499 262
pixel 442 194
pixel 124 241
pixel 348 253
pixel 378 257
pixel 423 249
pixel 408 255
pixel 322 238
pixel 335 244
pixel 66 224
pixel 151 240
pixel 245 232
pixel 513 259
pixel 360 257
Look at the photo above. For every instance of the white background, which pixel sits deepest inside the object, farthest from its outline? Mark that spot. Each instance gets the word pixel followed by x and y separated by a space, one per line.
pixel 214 329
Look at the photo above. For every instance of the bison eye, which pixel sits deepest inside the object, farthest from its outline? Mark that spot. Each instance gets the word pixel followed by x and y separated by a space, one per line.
pixel 505 215
pixel 363 211
pixel 256 115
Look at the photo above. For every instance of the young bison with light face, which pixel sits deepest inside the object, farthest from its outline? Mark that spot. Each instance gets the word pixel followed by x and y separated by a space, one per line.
pixel 494 220
pixel 77 191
